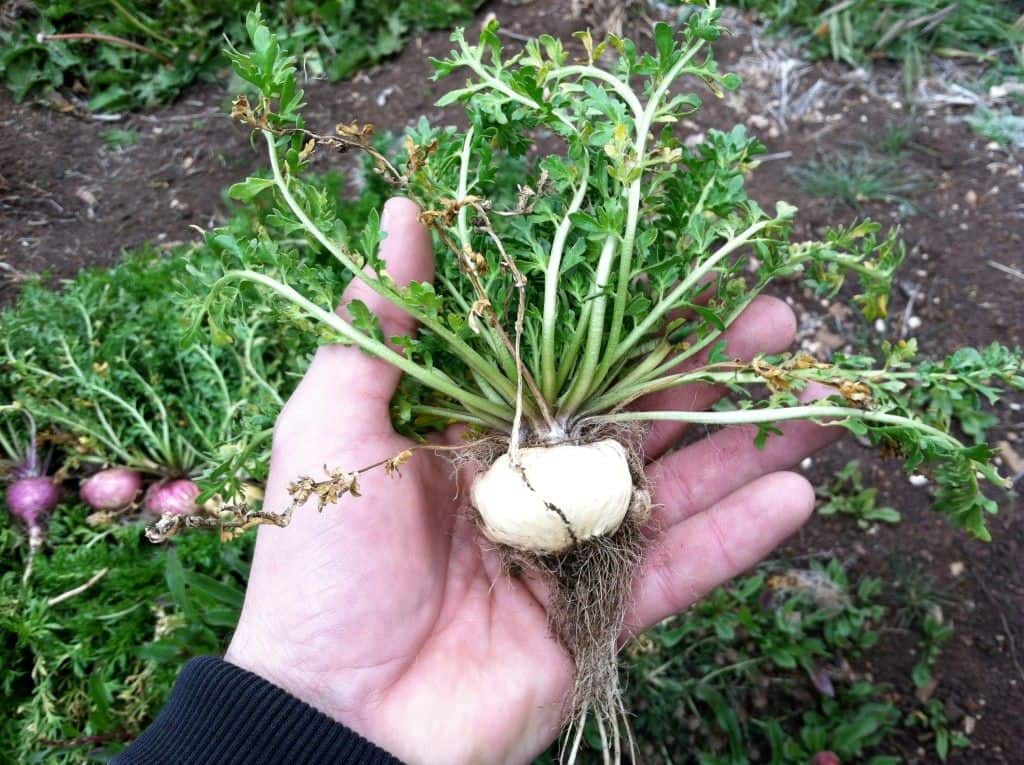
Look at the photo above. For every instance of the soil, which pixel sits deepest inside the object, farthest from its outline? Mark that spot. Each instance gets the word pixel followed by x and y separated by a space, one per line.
pixel 68 200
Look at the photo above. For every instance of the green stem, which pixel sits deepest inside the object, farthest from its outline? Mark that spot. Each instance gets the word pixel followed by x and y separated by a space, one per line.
pixel 549 325
pixel 694 348
pixel 621 88
pixel 592 352
pixel 571 351
pixel 633 209
pixel 455 344
pixel 693 278
pixel 169 456
pixel 451 414
pixel 131 411
pixel 817 412
pixel 250 369
pixel 374 347
pixel 136 22
pixel 462 227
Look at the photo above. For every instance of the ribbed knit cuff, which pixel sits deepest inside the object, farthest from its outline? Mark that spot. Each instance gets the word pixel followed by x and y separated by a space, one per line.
pixel 220 714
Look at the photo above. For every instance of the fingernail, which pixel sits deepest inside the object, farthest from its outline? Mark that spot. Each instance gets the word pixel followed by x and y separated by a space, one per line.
pixel 392 211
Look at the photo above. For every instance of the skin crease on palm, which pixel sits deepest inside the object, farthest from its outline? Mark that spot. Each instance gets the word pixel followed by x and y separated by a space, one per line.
pixel 390 613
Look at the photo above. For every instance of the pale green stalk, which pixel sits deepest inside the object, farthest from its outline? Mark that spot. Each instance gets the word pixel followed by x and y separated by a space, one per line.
pixel 633 209
pixel 823 414
pixel 571 351
pixel 693 278
pixel 610 398
pixel 455 344
pixel 592 353
pixel 250 369
pixel 450 414
pixel 620 87
pixel 109 395
pixel 498 416
pixel 548 375
pixel 499 350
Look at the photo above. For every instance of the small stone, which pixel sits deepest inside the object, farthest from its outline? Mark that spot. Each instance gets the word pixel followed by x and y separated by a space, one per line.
pixel 86 196
pixel 880 326
pixel 914 322
pixel 829 340
pixel 957 567
pixel 694 139
pixel 759 121
pixel 805 463
pixel 971 198
pixel 969 723
pixel 918 480
pixel 1013 460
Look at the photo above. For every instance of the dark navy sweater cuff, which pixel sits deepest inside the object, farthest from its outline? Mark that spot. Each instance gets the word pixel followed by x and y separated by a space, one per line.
pixel 220 714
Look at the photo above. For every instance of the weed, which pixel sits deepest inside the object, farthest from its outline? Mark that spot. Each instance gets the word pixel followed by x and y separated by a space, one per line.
pixel 120 138
pixel 150 51
pixel 999 125
pixel 846 495
pixel 907 31
pixel 933 720
pixel 915 595
pixel 895 139
pixel 853 179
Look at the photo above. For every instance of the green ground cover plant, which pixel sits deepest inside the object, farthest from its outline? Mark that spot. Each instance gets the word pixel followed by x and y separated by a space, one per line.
pixel 853 179
pixel 130 54
pixel 847 495
pixel 91 642
pixel 908 31
pixel 82 672
pixel 1000 125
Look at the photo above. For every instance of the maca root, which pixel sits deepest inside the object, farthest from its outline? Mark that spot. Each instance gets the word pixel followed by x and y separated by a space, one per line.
pixel 591 590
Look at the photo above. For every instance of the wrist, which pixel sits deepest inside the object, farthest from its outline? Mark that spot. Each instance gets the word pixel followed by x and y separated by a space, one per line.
pixel 276 665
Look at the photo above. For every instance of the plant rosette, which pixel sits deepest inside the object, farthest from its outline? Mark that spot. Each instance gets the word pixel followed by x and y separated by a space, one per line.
pixel 570 286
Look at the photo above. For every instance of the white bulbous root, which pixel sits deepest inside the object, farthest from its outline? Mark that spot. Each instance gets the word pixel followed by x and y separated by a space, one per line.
pixel 552 497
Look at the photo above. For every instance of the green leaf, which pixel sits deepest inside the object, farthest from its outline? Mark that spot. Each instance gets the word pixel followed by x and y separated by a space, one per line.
pixel 250 188
pixel 664 41
pixel 174 575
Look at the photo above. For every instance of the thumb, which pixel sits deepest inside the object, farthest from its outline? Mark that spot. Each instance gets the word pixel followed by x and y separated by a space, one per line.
pixel 362 383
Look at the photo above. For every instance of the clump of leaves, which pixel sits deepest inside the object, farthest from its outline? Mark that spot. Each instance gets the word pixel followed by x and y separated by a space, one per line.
pixel 853 179
pixel 566 303
pixel 907 31
pixel 1000 125
pixel 101 363
pixel 129 54
pixel 959 390
pixel 847 495
pixel 91 647
pixel 103 367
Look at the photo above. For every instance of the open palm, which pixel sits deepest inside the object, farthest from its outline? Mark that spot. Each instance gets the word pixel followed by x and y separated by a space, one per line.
pixel 390 613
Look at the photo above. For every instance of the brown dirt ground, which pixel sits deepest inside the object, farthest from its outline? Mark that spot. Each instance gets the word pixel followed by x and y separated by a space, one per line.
pixel 68 201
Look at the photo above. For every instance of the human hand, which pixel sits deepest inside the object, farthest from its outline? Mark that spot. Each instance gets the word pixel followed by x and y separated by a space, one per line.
pixel 387 613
